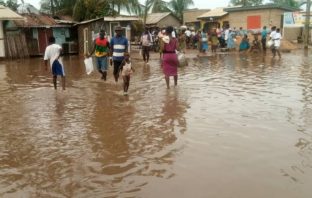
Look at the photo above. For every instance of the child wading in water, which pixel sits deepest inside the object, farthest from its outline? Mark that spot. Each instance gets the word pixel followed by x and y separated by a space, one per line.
pixel 126 70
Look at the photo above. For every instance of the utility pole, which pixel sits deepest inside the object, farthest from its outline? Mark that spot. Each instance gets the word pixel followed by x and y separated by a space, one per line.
pixel 307 25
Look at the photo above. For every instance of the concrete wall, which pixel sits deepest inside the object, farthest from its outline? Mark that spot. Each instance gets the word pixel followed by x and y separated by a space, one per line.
pixel 169 20
pixel 268 17
pixel 2 47
pixel 292 33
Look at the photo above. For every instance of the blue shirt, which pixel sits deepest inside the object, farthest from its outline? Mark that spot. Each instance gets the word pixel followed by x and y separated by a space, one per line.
pixel 119 45
pixel 264 34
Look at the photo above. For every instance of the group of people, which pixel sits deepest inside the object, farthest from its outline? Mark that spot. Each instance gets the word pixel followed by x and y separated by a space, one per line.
pixel 226 39
pixel 116 51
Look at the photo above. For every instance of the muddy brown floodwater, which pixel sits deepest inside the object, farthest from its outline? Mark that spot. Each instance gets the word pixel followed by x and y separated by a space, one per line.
pixel 237 126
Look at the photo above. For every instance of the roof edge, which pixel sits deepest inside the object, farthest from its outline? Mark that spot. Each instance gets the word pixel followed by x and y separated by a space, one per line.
pixel 267 6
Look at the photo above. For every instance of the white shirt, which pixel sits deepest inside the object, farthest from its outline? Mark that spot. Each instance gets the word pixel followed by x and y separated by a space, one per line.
pixel 173 34
pixel 226 34
pixel 277 39
pixel 52 53
pixel 188 33
pixel 272 34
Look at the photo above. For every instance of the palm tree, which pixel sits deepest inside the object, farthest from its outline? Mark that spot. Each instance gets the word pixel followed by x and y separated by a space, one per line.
pixel 154 6
pixel 178 6
pixel 291 3
pixel 90 9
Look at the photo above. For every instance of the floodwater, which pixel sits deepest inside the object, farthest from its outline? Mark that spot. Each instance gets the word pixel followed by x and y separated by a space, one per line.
pixel 236 126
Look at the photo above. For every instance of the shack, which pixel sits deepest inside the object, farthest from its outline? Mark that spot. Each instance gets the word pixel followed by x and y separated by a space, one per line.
pixel 5 15
pixel 37 29
pixel 88 30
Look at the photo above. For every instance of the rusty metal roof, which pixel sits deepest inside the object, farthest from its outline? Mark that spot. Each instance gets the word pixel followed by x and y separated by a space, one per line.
pixel 7 14
pixel 33 20
pixel 154 18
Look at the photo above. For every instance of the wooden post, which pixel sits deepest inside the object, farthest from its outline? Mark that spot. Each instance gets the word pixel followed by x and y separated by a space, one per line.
pixel 307 25
pixel 2 49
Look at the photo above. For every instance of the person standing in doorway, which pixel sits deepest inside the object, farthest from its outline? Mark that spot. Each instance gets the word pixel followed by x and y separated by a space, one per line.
pixel 170 58
pixel 146 40
pixel 53 53
pixel 264 34
pixel 119 46
pixel 101 49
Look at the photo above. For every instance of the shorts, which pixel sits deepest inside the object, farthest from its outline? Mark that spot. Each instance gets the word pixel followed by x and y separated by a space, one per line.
pixel 117 67
pixel 101 63
pixel 57 69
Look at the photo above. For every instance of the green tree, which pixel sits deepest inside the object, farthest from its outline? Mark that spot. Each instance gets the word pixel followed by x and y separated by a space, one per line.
pixel 90 9
pixel 154 6
pixel 59 6
pixel 246 2
pixel 290 3
pixel 2 3
pixel 129 5
pixel 12 4
pixel 178 7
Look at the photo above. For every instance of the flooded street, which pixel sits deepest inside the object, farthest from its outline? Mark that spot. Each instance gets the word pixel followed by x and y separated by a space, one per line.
pixel 236 126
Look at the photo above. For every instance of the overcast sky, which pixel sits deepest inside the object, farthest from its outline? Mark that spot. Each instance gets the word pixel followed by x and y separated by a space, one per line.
pixel 198 3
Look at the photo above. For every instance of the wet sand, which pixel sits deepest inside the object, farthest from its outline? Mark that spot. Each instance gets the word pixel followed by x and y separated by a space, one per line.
pixel 235 126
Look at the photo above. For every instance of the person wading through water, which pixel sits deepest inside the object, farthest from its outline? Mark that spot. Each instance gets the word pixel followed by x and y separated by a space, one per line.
pixel 119 46
pixel 101 49
pixel 53 53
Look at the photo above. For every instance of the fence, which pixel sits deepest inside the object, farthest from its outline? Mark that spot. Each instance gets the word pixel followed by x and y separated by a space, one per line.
pixel 16 46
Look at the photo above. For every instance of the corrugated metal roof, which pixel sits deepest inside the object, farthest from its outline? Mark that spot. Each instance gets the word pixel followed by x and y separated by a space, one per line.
pixel 34 20
pixel 119 18
pixel 267 6
pixel 7 14
pixel 191 15
pixel 218 12
pixel 89 21
pixel 154 18
pixel 122 18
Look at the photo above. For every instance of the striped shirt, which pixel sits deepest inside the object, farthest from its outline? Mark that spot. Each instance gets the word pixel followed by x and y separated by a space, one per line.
pixel 119 45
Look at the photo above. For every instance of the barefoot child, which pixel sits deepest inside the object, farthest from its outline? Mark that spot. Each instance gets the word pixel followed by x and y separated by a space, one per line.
pixel 126 70
pixel 53 53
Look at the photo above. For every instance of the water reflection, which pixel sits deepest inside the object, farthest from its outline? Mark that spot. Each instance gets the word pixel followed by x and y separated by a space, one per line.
pixel 228 115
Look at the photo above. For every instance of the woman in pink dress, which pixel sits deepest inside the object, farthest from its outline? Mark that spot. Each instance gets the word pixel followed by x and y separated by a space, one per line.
pixel 170 59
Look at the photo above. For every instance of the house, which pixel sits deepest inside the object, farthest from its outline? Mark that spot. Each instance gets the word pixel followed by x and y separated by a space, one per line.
pixel 88 30
pixel 255 17
pixel 37 29
pixel 5 15
pixel 216 18
pixel 190 17
pixel 161 20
